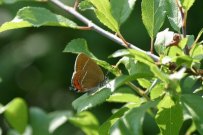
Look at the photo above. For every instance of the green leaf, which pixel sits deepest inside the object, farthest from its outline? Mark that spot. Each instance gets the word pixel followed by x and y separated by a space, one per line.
pixel 57 119
pixel 131 122
pixel 39 121
pixel 186 4
pixel 104 129
pixel 144 82
pixel 183 61
pixel 191 39
pixel 80 46
pixel 121 9
pixel 153 15
pixel 174 15
pixel 193 104
pixel 188 83
pixel 119 53
pixel 174 51
pixel 121 80
pixel 85 5
pixel 16 113
pixel 103 12
pixel 191 129
pixel 123 97
pixel 169 116
pixel 142 57
pixel 198 87
pixel 157 91
pixel 151 65
pixel 87 100
pixel 159 74
pixel 197 52
pixel 183 43
pixel 87 122
pixel 36 17
pixel 135 67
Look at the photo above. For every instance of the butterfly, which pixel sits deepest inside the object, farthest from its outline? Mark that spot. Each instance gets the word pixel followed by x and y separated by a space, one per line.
pixel 87 74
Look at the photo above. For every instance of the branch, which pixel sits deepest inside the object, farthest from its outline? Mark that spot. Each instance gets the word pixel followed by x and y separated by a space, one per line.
pixel 98 29
pixel 184 18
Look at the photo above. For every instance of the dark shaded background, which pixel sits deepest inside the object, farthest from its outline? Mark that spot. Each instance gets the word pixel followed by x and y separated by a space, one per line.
pixel 33 66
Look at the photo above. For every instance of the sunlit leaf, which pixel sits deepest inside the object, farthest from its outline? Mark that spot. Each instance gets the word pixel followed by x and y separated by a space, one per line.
pixel 174 51
pixel 186 4
pixel 87 122
pixel 183 43
pixel 144 82
pixel 123 97
pixel 16 113
pixel 121 9
pixel 103 12
pixel 36 17
pixel 153 15
pixel 157 91
pixel 169 116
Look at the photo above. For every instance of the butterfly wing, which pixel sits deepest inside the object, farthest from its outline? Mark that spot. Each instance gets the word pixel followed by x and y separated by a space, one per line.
pixel 87 74
pixel 91 80
pixel 77 80
pixel 80 61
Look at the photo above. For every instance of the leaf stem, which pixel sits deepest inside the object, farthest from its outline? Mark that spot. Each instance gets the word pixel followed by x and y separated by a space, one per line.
pixel 152 46
pixel 138 90
pixel 98 29
pixel 76 4
pixel 184 18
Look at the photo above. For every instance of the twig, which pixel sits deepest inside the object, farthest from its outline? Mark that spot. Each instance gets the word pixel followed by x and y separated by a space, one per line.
pixel 184 18
pixel 98 29
pixel 152 46
pixel 76 4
